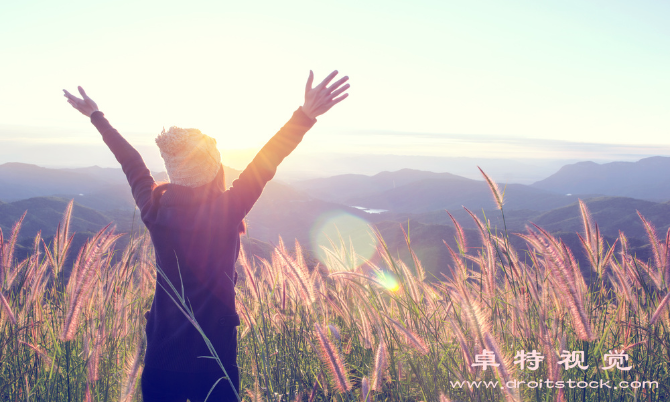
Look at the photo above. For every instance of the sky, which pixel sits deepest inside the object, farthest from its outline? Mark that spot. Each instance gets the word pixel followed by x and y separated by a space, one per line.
pixel 431 78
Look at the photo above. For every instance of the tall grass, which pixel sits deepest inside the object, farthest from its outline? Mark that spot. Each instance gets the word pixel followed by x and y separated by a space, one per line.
pixel 353 330
pixel 77 333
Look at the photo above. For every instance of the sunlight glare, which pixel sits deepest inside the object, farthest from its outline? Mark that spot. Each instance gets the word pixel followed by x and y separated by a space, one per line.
pixel 333 225
pixel 389 281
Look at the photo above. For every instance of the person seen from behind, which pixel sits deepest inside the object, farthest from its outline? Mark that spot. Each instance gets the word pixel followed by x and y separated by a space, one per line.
pixel 195 225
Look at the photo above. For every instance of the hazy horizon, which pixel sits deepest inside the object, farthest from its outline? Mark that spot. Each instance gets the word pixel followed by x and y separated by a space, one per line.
pixel 511 159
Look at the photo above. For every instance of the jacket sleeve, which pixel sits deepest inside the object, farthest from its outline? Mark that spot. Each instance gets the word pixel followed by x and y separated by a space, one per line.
pixel 138 175
pixel 246 189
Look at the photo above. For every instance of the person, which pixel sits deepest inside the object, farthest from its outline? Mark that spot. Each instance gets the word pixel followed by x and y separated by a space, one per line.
pixel 195 225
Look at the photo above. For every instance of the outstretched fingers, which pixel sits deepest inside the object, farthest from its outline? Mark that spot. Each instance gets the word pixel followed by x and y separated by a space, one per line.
pixel 337 100
pixel 71 97
pixel 86 105
pixel 327 80
pixel 334 102
pixel 321 98
pixel 339 91
pixel 337 84
pixel 82 92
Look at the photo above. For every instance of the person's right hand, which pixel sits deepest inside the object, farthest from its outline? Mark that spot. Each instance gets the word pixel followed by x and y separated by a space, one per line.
pixel 86 106
pixel 320 99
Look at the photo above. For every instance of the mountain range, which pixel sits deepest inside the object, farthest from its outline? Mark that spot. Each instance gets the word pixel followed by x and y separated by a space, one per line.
pixel 404 197
pixel 416 191
pixel 647 179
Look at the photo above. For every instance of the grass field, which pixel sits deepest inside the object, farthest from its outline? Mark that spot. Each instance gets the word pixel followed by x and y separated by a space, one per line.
pixel 351 330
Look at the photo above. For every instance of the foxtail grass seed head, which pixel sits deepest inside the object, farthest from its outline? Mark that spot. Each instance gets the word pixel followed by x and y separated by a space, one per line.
pixel 495 191
pixel 7 309
pixel 333 361
pixel 460 234
pixel 334 332
pixel 664 304
pixel 381 364
pixel 132 370
pixel 365 390
pixel 412 338
pixel 587 222
pixel 504 369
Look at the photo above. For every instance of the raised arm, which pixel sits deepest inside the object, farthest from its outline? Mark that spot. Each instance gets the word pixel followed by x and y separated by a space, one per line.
pixel 138 175
pixel 244 191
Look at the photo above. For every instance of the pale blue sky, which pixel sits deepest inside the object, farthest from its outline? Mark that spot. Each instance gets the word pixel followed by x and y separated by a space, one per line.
pixel 585 71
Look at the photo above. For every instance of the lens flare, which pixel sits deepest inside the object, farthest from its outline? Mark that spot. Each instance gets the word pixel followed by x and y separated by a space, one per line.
pixel 388 280
pixel 343 230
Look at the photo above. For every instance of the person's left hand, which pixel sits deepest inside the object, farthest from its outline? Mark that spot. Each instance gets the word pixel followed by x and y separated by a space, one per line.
pixel 86 106
pixel 320 99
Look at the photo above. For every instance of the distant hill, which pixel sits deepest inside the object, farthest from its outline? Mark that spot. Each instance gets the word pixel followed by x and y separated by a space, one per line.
pixel 612 214
pixel 95 187
pixel 347 186
pixel 430 195
pixel 416 191
pixel 647 179
pixel 44 214
pixel 20 181
pixel 284 211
